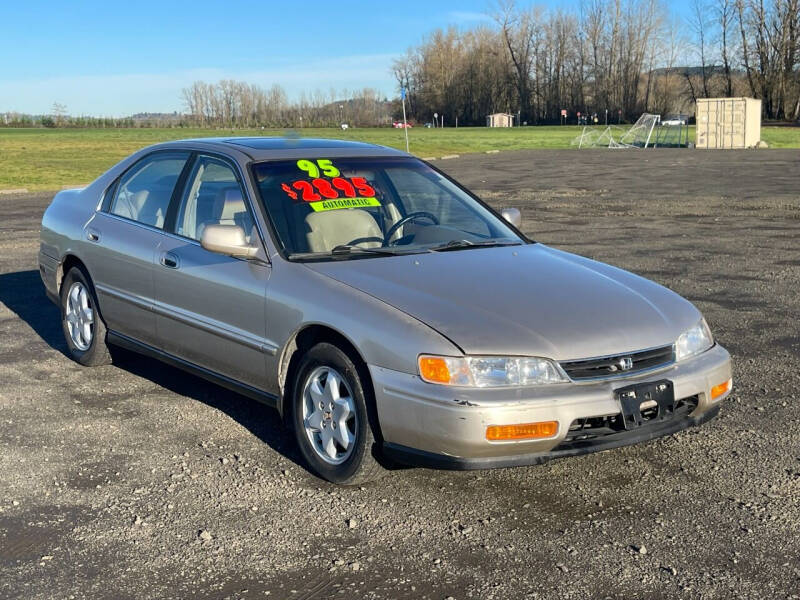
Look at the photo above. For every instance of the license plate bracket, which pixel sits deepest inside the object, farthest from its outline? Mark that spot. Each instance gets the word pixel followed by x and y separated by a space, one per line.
pixel 634 397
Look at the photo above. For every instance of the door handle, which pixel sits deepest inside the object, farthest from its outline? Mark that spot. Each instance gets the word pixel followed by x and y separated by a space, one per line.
pixel 93 235
pixel 170 260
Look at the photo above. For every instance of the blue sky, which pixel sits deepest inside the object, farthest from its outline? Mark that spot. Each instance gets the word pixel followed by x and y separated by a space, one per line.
pixel 116 58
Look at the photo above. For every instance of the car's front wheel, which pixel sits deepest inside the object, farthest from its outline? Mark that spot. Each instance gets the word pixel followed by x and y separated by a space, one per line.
pixel 83 327
pixel 331 419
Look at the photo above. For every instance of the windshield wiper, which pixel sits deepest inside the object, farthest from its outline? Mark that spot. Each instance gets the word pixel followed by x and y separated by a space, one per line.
pixel 344 249
pixel 461 244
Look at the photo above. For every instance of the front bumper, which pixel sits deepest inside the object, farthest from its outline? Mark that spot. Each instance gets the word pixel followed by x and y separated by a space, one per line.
pixel 445 427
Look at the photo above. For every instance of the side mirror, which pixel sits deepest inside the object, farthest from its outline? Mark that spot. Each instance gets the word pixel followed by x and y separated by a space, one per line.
pixel 228 240
pixel 513 216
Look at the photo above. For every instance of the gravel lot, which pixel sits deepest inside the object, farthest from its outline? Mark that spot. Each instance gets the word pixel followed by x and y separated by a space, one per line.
pixel 139 481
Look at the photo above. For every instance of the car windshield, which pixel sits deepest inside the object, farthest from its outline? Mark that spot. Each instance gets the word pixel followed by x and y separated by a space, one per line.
pixel 332 208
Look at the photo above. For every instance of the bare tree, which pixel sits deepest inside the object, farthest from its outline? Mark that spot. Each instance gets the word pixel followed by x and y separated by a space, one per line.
pixel 59 113
pixel 770 36
pixel 519 32
pixel 725 13
pixel 698 22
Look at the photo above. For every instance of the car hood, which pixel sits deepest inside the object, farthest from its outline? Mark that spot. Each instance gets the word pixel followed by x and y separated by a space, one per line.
pixel 523 300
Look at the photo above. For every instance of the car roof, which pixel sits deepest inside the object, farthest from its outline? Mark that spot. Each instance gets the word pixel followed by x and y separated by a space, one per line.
pixel 275 148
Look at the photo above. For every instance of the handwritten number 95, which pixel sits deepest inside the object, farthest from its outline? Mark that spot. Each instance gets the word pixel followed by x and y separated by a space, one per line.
pixel 322 165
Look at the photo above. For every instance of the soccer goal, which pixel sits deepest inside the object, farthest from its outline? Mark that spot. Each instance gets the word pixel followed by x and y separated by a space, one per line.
pixel 639 135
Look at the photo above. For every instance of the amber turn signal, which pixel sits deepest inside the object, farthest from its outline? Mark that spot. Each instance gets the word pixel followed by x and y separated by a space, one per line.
pixel 434 369
pixel 522 431
pixel 722 388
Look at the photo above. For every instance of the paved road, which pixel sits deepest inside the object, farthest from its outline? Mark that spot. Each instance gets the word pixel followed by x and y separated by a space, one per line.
pixel 108 475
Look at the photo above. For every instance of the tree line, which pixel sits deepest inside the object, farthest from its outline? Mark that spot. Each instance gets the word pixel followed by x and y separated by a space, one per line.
pixel 59 117
pixel 17 119
pixel 231 103
pixel 621 56
pixel 236 104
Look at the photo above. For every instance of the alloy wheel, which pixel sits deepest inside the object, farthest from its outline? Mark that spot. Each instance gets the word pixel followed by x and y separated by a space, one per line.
pixel 79 316
pixel 329 415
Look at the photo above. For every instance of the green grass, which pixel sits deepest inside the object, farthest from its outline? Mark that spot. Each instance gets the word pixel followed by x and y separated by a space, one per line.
pixel 781 137
pixel 48 159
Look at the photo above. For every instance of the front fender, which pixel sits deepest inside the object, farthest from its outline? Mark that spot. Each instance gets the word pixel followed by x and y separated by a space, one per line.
pixel 384 336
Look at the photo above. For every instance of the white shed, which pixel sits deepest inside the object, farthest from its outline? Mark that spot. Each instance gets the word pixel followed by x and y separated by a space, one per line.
pixel 500 120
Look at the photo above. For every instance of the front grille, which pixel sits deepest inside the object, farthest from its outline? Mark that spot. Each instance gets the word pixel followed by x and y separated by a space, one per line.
pixel 619 365
pixel 592 429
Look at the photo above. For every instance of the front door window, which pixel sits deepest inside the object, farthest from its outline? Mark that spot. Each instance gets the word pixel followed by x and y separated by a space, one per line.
pixel 213 196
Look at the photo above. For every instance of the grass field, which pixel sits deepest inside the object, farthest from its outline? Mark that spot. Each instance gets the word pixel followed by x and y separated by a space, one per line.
pixel 48 159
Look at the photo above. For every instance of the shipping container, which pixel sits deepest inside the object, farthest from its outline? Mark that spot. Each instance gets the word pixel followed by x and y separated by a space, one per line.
pixel 728 122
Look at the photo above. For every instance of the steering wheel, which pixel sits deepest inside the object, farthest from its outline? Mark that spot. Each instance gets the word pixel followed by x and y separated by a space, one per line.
pixel 365 240
pixel 407 219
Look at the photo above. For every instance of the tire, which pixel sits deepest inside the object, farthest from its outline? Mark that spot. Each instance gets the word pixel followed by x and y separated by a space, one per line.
pixel 78 312
pixel 315 421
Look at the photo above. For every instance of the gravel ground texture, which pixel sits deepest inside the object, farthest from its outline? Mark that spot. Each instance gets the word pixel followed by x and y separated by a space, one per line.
pixel 139 481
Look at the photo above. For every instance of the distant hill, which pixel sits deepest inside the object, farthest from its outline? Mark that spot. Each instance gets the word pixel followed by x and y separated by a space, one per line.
pixel 697 71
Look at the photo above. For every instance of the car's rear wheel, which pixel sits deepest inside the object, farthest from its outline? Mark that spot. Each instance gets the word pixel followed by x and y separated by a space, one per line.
pixel 331 419
pixel 83 326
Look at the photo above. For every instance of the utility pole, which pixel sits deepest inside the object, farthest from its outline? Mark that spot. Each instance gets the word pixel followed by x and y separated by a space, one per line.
pixel 405 123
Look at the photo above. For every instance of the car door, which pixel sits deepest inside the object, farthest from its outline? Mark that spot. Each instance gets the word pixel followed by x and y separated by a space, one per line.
pixel 122 239
pixel 210 308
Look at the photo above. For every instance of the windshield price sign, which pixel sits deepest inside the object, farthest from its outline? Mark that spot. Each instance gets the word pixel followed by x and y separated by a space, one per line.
pixel 319 187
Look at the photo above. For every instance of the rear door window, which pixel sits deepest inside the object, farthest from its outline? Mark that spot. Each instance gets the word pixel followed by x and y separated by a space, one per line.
pixel 144 191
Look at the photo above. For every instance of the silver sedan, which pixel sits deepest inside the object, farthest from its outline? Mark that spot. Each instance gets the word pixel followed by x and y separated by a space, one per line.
pixel 380 307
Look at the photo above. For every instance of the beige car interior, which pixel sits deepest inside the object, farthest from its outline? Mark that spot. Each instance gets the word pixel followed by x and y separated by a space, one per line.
pixel 229 205
pixel 148 207
pixel 214 198
pixel 312 231
pixel 328 229
pixel 228 208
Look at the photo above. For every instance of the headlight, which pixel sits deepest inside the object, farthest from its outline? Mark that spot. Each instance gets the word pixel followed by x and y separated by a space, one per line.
pixel 694 341
pixel 489 371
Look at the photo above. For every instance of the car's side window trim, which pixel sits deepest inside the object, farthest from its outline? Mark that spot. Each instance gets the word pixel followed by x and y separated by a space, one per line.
pixel 273 233
pixel 111 215
pixel 177 194
pixel 108 196
pixel 111 191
